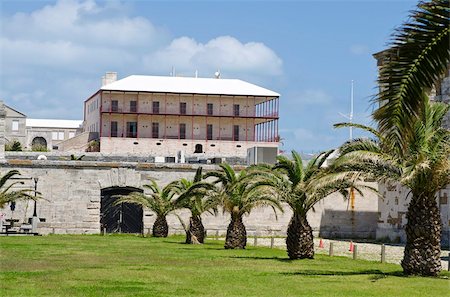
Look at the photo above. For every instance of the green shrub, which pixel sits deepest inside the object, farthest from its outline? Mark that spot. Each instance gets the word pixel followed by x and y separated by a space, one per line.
pixel 39 148
pixel 13 146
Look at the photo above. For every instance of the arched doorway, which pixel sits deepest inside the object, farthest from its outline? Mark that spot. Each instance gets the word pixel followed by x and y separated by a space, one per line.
pixel 122 218
pixel 198 149
pixel 39 142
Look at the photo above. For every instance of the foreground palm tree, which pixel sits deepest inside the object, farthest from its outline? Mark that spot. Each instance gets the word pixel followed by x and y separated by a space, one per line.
pixel 301 188
pixel 197 196
pixel 7 195
pixel 160 201
pixel 409 128
pixel 424 168
pixel 239 194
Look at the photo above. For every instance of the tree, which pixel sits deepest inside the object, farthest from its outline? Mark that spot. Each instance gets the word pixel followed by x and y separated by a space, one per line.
pixel 301 188
pixel 424 168
pixel 411 140
pixel 198 197
pixel 239 194
pixel 7 195
pixel 160 201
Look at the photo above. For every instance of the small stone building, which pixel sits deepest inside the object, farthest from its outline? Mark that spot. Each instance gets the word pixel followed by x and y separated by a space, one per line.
pixel 37 133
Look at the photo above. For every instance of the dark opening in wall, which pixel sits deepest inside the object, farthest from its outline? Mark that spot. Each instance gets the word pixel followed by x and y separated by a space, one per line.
pixel 198 149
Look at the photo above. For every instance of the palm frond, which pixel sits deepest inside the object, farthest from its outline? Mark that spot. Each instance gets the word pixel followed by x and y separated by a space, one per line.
pixel 418 57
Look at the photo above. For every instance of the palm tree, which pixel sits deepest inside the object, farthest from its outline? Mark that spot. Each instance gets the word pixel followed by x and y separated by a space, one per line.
pixel 424 168
pixel 160 201
pixel 411 139
pixel 301 188
pixel 198 197
pixel 7 195
pixel 418 56
pixel 239 194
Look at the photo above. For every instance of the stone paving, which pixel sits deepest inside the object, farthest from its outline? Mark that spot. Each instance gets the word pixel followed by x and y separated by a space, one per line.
pixel 366 251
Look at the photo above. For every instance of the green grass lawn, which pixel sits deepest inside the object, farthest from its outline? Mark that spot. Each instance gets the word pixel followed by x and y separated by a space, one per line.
pixel 134 266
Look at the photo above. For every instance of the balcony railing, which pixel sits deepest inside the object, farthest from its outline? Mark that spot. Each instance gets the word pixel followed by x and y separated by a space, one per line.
pixel 161 111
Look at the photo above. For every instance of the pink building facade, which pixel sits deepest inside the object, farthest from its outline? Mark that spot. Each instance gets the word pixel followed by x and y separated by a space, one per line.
pixel 163 116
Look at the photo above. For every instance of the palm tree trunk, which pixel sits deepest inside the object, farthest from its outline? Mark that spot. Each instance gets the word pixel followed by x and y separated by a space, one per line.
pixel 423 237
pixel 160 227
pixel 236 233
pixel 299 241
pixel 196 231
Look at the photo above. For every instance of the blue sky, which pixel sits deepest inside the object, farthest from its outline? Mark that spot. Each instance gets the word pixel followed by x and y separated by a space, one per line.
pixel 53 53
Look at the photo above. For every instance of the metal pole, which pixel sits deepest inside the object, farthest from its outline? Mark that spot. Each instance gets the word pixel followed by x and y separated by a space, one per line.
pixel 331 251
pixel 35 195
pixel 272 241
pixel 383 253
pixel 355 252
pixel 34 219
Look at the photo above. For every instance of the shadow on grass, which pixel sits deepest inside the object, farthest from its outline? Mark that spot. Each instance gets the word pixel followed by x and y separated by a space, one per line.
pixel 280 259
pixel 344 273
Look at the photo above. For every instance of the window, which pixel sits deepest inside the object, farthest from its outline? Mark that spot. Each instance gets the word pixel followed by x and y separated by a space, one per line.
pixel 71 134
pixel 133 106
pixel 183 107
pixel 132 129
pixel 60 135
pixel 155 130
pixel 236 132
pixel 182 131
pixel 209 109
pixel 114 105
pixel 15 125
pixel 155 106
pixel 113 129
pixel 236 110
pixel 54 135
pixel 209 132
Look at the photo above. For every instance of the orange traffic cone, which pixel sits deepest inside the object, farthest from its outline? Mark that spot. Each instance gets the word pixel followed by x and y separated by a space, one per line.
pixel 321 244
pixel 351 247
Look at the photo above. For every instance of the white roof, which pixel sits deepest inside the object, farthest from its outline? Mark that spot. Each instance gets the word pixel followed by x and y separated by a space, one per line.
pixel 47 123
pixel 188 85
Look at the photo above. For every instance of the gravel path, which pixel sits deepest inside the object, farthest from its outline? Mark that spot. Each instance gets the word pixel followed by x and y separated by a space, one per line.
pixel 366 251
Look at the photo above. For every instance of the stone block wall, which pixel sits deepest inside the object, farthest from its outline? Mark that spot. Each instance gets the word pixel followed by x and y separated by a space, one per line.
pixel 72 192
pixel 393 206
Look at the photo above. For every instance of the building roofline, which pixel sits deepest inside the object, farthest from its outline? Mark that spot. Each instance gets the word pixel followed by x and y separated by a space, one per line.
pixel 6 105
pixel 178 93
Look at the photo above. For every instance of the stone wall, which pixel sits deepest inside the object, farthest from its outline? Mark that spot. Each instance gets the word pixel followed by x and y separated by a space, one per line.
pixel 72 200
pixel 171 147
pixel 393 205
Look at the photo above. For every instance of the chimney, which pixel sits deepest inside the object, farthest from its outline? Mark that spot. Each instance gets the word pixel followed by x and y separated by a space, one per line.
pixel 108 78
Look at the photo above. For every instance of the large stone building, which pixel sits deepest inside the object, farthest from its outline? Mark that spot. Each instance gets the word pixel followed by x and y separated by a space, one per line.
pixel 175 116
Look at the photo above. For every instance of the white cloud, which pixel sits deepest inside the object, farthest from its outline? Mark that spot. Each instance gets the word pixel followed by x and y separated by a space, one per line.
pixel 60 51
pixel 359 49
pixel 225 53
pixel 314 97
